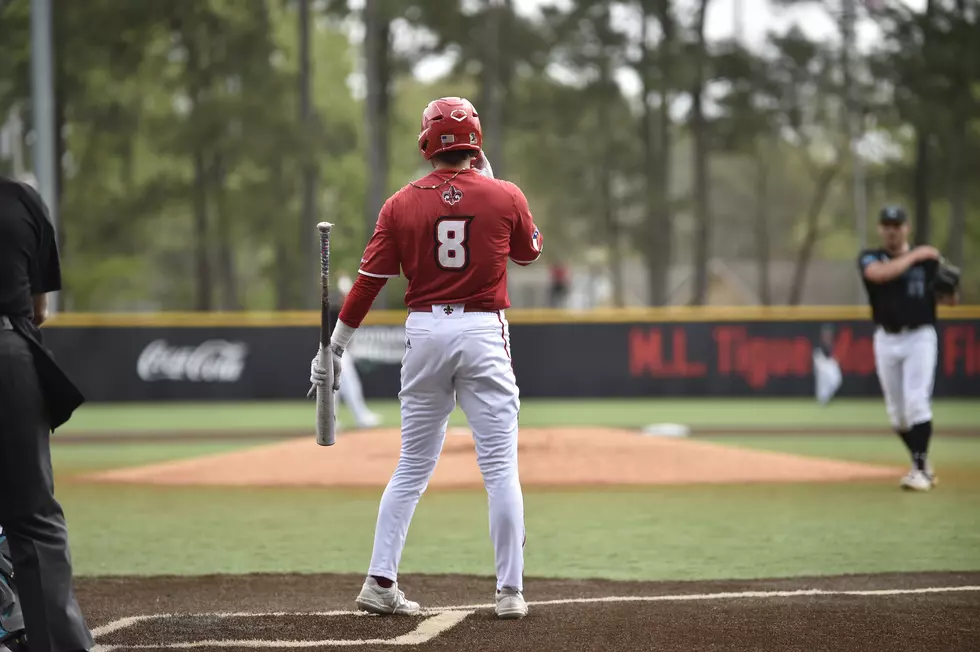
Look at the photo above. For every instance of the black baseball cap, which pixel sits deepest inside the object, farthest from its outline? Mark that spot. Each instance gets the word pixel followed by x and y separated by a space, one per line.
pixel 892 215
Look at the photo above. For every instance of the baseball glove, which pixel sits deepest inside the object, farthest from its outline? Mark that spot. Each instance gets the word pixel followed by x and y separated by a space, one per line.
pixel 947 280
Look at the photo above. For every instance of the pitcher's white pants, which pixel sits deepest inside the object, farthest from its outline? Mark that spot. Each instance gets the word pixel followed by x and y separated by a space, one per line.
pixel 351 392
pixel 828 376
pixel 461 357
pixel 906 364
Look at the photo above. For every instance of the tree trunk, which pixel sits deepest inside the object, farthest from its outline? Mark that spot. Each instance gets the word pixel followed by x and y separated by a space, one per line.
pixel 921 183
pixel 656 159
pixel 227 276
pixel 762 241
pixel 60 146
pixel 607 165
pixel 492 95
pixel 309 242
pixel 203 295
pixel 204 291
pixel 812 236
pixel 958 153
pixel 376 54
pixel 285 274
pixel 957 194
pixel 702 199
pixel 923 197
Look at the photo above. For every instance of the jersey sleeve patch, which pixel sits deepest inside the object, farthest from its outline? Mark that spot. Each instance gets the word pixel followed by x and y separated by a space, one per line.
pixel 867 259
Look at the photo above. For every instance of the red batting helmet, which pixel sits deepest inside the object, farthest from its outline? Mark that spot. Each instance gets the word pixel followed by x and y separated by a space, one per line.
pixel 450 123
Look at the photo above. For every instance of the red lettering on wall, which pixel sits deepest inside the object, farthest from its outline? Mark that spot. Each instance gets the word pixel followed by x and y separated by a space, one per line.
pixel 960 344
pixel 684 367
pixel 725 341
pixel 646 352
pixel 757 359
pixel 854 354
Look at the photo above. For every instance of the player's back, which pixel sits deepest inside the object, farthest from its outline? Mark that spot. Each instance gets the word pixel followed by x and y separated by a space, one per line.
pixel 454 232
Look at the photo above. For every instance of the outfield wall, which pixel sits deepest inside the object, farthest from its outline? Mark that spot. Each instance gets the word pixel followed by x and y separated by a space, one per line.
pixel 632 353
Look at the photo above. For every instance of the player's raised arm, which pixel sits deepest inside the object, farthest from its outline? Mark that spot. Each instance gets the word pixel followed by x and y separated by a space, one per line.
pixel 876 270
pixel 526 241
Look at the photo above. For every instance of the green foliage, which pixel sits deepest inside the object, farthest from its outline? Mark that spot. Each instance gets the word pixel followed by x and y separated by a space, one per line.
pixel 183 149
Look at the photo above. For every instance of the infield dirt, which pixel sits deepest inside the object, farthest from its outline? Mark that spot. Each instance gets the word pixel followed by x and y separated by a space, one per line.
pixel 547 457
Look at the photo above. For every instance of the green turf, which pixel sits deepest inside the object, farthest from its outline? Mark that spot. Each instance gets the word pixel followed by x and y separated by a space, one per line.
pixel 723 531
pixel 614 413
pixel 661 533
pixel 72 459
pixel 957 452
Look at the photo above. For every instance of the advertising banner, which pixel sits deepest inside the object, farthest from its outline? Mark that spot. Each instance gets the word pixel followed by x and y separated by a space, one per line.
pixel 574 359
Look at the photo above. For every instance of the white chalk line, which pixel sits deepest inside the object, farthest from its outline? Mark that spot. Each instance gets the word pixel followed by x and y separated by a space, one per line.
pixel 441 619
pixel 427 630
pixel 728 596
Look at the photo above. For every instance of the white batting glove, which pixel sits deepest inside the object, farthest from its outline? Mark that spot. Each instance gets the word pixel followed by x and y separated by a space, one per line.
pixel 482 165
pixel 318 374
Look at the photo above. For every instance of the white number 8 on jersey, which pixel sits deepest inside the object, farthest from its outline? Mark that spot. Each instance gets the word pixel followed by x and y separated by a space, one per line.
pixel 452 252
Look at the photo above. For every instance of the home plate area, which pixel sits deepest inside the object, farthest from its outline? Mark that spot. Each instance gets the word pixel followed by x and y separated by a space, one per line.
pixel 272 630
pixel 893 612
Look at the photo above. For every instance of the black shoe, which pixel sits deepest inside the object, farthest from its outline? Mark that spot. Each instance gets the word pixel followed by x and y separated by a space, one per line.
pixel 16 642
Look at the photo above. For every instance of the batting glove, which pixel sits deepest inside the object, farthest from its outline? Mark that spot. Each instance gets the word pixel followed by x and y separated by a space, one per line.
pixel 335 354
pixel 318 374
pixel 482 165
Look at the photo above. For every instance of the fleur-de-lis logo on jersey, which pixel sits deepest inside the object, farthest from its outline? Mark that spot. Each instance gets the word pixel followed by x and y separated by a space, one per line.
pixel 452 195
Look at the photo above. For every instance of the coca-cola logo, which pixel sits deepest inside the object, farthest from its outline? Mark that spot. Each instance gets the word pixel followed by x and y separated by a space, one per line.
pixel 211 361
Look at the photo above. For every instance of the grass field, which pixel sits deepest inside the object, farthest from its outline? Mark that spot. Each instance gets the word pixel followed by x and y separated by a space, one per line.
pixel 680 532
pixel 626 413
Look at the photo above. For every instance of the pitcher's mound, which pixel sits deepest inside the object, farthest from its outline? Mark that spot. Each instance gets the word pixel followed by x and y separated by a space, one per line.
pixel 547 456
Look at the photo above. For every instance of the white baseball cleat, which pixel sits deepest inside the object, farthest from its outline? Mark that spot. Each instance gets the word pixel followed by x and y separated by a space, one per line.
pixel 916 480
pixel 370 420
pixel 510 604
pixel 376 599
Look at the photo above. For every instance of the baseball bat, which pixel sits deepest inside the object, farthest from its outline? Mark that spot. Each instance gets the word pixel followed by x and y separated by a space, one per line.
pixel 325 418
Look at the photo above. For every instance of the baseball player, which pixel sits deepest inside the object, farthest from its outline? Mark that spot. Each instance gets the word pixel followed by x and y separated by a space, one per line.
pixel 36 397
pixel 12 633
pixel 902 289
pixel 826 370
pixel 451 233
pixel 351 392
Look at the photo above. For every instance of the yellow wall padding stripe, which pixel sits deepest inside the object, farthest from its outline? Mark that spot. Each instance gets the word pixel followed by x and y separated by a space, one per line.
pixel 516 316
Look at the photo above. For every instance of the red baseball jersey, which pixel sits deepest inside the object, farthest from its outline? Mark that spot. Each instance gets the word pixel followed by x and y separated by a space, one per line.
pixel 452 243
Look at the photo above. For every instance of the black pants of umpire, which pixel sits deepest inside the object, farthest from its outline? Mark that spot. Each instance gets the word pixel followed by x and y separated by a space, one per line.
pixel 30 516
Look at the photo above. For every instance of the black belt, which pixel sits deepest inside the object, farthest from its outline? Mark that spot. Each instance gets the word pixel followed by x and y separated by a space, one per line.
pixel 465 308
pixel 895 330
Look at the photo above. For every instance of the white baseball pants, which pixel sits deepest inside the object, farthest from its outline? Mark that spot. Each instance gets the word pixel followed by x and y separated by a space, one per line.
pixel 906 364
pixel 827 375
pixel 351 392
pixel 462 357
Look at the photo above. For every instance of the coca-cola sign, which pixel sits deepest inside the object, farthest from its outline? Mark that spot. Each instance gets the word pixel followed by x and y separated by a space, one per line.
pixel 211 361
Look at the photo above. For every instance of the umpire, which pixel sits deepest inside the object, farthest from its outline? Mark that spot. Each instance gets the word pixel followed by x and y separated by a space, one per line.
pixel 35 398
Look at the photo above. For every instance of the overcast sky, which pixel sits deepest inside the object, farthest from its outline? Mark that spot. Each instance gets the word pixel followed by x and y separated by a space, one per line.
pixel 755 18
